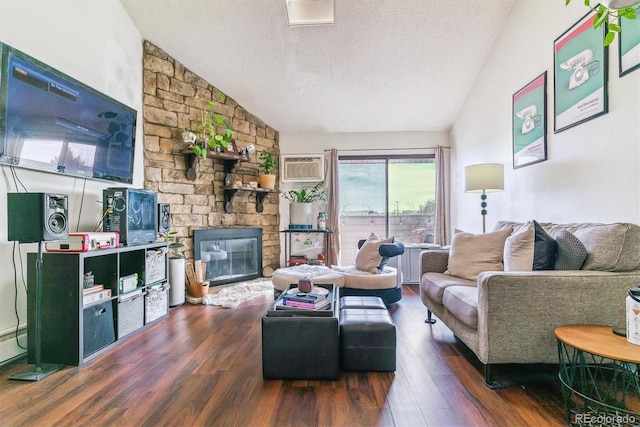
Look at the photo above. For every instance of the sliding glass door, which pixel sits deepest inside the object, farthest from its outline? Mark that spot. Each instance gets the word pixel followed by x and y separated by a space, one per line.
pixel 391 196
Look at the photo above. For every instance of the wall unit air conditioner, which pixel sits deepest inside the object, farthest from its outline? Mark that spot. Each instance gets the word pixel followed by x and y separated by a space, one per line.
pixel 302 167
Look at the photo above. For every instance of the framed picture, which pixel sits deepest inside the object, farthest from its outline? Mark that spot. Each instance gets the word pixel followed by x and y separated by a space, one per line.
pixel 529 120
pixel 580 74
pixel 629 46
pixel 231 148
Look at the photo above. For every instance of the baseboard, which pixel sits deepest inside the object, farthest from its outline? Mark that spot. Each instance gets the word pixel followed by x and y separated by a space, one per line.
pixel 9 349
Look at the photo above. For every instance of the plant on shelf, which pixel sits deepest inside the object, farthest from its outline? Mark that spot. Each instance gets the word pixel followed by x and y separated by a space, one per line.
pixel 208 137
pixel 268 168
pixel 610 12
pixel 307 194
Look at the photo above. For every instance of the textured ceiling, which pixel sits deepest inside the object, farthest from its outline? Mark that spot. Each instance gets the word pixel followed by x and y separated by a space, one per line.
pixel 385 65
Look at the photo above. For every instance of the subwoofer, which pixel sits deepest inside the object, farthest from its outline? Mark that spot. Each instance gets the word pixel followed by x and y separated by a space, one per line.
pixel 163 217
pixel 37 217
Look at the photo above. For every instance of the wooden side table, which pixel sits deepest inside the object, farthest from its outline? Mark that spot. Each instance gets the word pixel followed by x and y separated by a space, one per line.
pixel 599 375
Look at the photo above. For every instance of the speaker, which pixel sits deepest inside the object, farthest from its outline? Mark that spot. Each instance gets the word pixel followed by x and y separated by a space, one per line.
pixel 163 217
pixel 37 217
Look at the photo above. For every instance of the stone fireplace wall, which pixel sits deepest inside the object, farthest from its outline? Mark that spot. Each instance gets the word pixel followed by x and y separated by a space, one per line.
pixel 169 104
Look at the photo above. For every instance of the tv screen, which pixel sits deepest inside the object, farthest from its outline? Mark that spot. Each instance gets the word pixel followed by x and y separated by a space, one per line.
pixel 53 123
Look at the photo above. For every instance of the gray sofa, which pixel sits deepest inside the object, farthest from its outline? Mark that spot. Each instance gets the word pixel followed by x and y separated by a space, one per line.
pixel 509 317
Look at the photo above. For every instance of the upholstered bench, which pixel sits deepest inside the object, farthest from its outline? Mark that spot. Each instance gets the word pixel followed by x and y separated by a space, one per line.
pixel 367 335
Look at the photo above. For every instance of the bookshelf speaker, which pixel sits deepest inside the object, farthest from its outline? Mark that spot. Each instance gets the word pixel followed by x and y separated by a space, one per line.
pixel 163 217
pixel 37 217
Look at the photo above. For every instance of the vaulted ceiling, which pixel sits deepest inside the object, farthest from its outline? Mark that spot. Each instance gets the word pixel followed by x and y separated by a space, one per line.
pixel 384 65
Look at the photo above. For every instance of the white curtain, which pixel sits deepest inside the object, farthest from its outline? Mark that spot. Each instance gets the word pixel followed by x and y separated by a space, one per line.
pixel 443 218
pixel 333 205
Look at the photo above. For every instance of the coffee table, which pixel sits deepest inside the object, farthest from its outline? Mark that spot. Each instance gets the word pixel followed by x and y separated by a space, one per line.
pixel 302 344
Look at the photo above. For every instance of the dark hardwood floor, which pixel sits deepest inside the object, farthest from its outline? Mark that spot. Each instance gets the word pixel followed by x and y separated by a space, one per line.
pixel 201 366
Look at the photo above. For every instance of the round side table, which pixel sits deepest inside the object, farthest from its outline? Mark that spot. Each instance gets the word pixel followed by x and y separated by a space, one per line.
pixel 599 375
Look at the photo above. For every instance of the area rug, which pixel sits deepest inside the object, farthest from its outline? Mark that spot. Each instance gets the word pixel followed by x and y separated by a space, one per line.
pixel 233 295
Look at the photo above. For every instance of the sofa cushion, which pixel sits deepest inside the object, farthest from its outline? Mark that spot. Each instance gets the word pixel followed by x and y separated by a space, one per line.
pixel 518 249
pixel 368 257
pixel 462 302
pixel 471 254
pixel 544 249
pixel 571 252
pixel 434 284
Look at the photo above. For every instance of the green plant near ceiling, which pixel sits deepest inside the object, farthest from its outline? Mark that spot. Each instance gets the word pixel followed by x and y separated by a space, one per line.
pixel 208 136
pixel 611 12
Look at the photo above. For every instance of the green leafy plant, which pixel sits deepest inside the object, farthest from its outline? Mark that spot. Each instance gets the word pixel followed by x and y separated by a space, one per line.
pixel 269 163
pixel 207 131
pixel 175 247
pixel 610 16
pixel 306 194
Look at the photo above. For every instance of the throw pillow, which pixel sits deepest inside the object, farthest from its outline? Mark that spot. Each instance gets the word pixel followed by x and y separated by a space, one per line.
pixel 471 254
pixel 571 252
pixel 544 249
pixel 368 257
pixel 519 249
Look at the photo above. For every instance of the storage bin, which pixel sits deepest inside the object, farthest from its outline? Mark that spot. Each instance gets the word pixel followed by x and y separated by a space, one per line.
pixel 98 327
pixel 156 302
pixel 130 314
pixel 155 266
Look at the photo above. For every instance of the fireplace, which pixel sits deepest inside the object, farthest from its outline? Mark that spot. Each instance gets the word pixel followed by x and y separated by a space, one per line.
pixel 230 254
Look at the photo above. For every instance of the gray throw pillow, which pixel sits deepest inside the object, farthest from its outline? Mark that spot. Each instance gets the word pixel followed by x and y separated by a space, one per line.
pixel 571 252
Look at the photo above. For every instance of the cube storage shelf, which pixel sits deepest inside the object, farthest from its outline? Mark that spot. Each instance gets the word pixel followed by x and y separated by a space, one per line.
pixel 72 332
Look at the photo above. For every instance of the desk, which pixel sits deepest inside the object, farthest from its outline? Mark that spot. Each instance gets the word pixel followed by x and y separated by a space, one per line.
pixel 599 376
pixel 287 243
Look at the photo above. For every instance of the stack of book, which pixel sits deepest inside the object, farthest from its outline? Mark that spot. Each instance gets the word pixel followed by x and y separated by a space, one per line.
pixel 317 299
pixel 95 293
pixel 297 260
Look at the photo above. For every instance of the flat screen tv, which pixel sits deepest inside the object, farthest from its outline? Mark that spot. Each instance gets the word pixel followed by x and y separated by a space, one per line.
pixel 53 123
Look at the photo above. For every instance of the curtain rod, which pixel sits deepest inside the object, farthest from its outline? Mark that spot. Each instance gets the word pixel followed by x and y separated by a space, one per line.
pixel 388 149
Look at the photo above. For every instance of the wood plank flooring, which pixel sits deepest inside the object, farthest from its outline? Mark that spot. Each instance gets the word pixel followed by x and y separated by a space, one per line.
pixel 201 366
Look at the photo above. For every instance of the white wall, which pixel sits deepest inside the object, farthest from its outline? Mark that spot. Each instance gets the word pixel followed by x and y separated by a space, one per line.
pixel 95 42
pixel 592 172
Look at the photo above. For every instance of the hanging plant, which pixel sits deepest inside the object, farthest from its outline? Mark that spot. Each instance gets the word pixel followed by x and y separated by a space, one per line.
pixel 611 12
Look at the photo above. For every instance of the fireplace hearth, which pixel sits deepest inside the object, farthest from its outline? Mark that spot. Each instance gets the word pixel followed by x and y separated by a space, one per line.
pixel 230 254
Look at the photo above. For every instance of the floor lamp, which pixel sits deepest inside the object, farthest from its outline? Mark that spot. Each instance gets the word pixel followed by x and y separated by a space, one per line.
pixel 484 178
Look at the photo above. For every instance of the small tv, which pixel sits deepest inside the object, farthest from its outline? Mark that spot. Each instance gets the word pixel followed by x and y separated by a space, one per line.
pixel 53 123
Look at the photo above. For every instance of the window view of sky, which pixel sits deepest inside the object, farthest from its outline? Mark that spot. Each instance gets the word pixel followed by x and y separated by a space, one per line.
pixel 362 186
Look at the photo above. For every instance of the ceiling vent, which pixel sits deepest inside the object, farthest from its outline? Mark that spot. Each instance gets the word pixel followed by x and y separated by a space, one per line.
pixel 302 167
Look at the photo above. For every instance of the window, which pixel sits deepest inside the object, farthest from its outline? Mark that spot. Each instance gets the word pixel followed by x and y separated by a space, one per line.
pixel 386 195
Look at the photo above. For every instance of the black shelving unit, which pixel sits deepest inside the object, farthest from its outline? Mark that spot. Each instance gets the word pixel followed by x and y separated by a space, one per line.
pixel 73 332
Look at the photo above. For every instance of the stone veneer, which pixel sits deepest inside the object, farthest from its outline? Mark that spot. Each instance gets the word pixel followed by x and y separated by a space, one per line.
pixel 169 104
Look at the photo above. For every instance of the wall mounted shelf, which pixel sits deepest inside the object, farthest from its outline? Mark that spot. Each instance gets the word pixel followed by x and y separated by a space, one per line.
pixel 229 160
pixel 230 192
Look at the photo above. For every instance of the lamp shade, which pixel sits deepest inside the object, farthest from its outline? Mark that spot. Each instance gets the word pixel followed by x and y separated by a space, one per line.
pixel 487 177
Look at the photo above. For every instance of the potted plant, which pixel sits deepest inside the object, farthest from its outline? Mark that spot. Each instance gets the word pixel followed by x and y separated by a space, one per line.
pixel 301 207
pixel 207 136
pixel 611 12
pixel 268 168
pixel 176 268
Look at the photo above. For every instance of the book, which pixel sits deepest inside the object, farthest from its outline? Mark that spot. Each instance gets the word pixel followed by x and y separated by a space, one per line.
pixel 302 297
pixel 95 288
pixel 297 305
pixel 95 296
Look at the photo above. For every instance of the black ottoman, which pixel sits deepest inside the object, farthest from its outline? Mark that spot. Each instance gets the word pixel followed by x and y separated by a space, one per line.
pixel 367 340
pixel 362 302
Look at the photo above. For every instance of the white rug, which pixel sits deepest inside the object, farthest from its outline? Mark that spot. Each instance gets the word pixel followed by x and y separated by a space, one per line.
pixel 231 296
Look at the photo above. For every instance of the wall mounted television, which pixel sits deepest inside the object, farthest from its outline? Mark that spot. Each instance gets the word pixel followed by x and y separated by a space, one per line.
pixel 53 123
